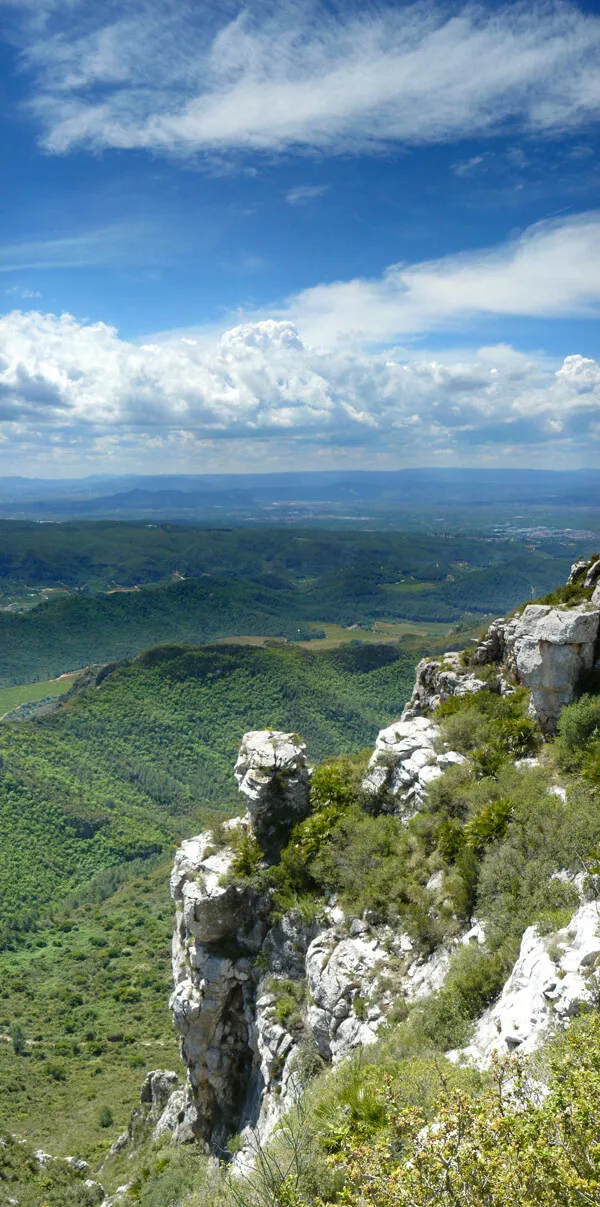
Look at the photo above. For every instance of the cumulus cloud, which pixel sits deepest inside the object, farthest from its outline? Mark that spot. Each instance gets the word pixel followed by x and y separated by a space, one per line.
pixel 262 382
pixel 152 74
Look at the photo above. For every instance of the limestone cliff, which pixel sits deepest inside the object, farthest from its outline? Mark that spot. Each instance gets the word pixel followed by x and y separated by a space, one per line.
pixel 233 959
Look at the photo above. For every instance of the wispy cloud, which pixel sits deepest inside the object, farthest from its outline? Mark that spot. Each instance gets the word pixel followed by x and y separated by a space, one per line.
pixel 115 244
pixel 304 193
pixel 552 270
pixel 170 78
pixel 19 291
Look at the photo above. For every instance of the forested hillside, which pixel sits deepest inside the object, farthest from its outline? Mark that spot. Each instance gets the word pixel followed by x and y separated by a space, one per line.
pixel 267 582
pixel 125 767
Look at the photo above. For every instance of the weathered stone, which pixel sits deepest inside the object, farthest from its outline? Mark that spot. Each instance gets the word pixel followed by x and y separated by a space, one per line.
pixel 491 647
pixel 218 927
pixel 274 777
pixel 576 569
pixel 593 574
pixel 552 648
pixel 545 988
pixel 437 679
pixel 405 761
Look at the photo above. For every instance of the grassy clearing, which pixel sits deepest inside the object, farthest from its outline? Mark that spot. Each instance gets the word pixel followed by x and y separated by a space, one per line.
pixel 11 697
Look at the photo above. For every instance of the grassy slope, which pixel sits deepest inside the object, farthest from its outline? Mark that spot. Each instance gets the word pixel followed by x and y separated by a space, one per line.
pixel 125 768
pixel 99 969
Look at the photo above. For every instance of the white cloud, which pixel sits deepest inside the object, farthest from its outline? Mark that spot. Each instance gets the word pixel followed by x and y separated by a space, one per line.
pixel 552 270
pixel 69 386
pixel 305 192
pixel 326 371
pixel 151 74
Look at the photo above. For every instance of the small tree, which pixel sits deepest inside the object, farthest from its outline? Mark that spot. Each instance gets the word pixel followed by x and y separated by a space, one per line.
pixel 19 1042
pixel 106 1117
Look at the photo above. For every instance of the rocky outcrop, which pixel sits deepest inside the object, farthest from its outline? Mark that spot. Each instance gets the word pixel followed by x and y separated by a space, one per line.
pixel 437 679
pixel 406 760
pixel 162 1101
pixel 236 972
pixel 550 980
pixel 255 998
pixel 273 775
pixel 550 649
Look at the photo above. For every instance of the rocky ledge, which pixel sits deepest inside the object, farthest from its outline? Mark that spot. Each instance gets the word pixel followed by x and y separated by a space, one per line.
pixel 548 649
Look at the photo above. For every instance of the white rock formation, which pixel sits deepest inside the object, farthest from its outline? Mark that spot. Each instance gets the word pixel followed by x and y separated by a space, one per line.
pixel 550 979
pixel 437 679
pixel 242 1055
pixel 551 648
pixel 593 574
pixel 405 761
pixel 273 775
pixel 218 929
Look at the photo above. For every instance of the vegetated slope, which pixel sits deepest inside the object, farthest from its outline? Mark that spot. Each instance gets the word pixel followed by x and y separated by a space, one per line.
pixel 122 769
pixel 270 583
pixel 84 1002
pixel 86 993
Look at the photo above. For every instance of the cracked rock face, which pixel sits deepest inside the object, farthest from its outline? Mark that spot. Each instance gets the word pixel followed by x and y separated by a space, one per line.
pixel 548 982
pixel 273 776
pixel 551 649
pixel 438 679
pixel 218 929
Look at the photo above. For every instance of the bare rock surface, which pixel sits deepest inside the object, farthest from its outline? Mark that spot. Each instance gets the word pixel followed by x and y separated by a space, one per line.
pixel 405 761
pixel 550 979
pixel 437 679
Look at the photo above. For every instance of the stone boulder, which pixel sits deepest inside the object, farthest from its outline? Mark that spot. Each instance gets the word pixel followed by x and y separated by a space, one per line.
pixel 274 777
pixel 550 649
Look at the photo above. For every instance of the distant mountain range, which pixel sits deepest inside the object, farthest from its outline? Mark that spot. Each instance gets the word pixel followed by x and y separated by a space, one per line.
pixel 298 495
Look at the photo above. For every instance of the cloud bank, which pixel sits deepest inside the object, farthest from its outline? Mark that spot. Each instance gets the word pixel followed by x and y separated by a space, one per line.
pixel 314 77
pixel 552 270
pixel 325 372
pixel 68 386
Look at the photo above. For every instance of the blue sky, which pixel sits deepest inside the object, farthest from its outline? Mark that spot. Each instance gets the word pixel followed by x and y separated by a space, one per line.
pixel 251 237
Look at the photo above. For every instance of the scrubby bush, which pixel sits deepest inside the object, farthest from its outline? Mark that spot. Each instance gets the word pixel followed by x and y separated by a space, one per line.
pixel 498 1148
pixel 19 1042
pixel 490 728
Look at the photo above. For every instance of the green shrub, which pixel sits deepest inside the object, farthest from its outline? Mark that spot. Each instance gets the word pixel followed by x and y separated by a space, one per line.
pixel 289 999
pixel 500 1147
pixel 105 1118
pixel 579 725
pixel 247 854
